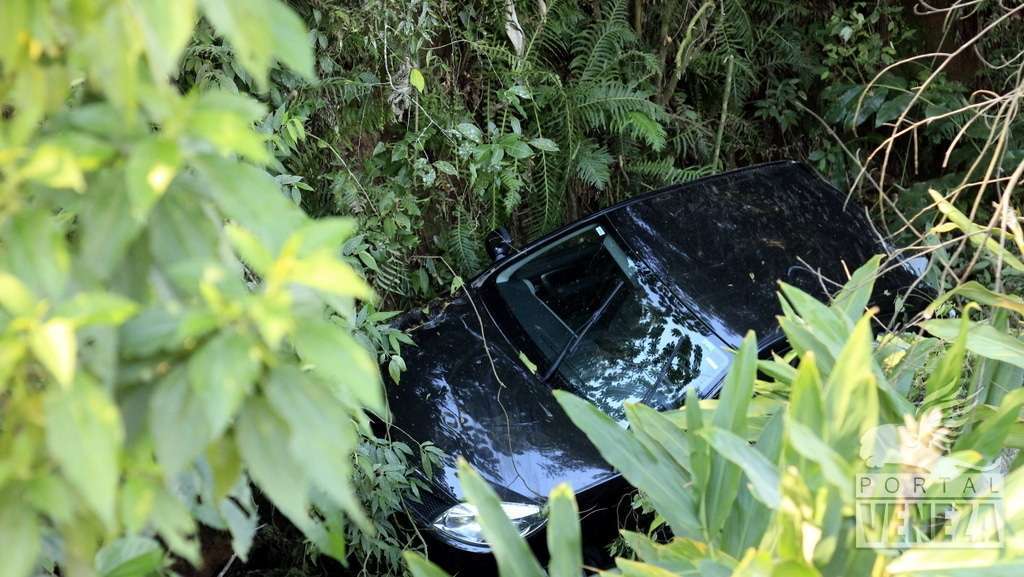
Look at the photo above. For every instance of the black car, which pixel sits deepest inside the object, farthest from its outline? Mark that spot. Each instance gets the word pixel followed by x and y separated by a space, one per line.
pixel 636 303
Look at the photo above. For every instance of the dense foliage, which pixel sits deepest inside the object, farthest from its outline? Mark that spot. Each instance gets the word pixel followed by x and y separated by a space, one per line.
pixel 208 209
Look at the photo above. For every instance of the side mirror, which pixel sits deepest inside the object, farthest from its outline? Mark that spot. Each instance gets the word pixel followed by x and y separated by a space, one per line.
pixel 498 243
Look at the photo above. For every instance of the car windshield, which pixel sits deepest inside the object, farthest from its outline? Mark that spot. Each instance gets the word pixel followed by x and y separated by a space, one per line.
pixel 633 342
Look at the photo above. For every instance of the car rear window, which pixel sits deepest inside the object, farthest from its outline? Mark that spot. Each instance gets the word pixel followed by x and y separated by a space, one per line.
pixel 634 343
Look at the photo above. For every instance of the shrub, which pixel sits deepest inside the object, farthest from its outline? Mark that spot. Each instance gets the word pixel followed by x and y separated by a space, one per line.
pixel 133 353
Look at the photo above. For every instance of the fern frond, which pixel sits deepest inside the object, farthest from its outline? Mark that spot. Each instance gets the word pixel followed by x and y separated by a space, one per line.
pixel 593 164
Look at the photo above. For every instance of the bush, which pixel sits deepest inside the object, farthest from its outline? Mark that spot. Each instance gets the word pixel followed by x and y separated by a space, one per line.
pixel 133 353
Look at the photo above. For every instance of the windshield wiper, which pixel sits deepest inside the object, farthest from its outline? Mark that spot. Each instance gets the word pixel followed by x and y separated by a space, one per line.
pixel 575 341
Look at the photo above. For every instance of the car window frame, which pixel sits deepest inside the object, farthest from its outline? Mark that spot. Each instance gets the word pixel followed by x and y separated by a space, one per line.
pixel 516 335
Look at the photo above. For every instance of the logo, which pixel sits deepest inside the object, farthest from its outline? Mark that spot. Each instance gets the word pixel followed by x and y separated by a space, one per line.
pixel 918 494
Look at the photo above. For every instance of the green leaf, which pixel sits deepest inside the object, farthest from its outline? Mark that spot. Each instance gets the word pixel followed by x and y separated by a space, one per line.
pixel 226 121
pixel 809 445
pixel 166 29
pixel 419 566
pixel 34 250
pixel 15 296
pixel 975 291
pixel 263 441
pixel 763 477
pixel 731 415
pixel 446 167
pixel 222 374
pixel 106 227
pixel 565 545
pixel 178 422
pixel 292 45
pixel 21 537
pixel 853 298
pixel 129 557
pixel 511 552
pixel 544 144
pixel 259 32
pixel 84 434
pixel 470 131
pixel 249 248
pixel 416 80
pixel 851 391
pixel 97 308
pixel 892 109
pixel 56 347
pixel 657 479
pixel 339 359
pixel 326 272
pixel 322 434
pixel 982 339
pixel 150 169
pixel 251 198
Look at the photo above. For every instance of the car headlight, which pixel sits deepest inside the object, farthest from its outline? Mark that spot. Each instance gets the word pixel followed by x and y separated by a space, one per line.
pixel 461 524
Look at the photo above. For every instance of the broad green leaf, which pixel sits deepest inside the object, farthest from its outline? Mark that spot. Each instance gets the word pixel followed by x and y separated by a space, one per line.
pixel 241 526
pixel 129 557
pixel 416 80
pixel 15 296
pixel 55 166
pixel 34 250
pixel 653 428
pixel 173 522
pixel 84 434
pixel 762 474
pixel 222 374
pixel 322 434
pixel 853 298
pixel 181 230
pixel 251 198
pixel 892 109
pixel 341 361
pixel 263 441
pixel 97 308
pixel 328 273
pixel 806 397
pixel 106 227
pixel 248 26
pixel 988 437
pixel 327 233
pixel 982 339
pixel 470 131
pixel 544 144
pixel 151 167
pixel 563 533
pixel 20 535
pixel 419 566
pixel 54 344
pixel 809 445
pixel 225 466
pixel 226 120
pixel 249 248
pixel 510 550
pixel 166 29
pixel 851 391
pixel 944 379
pixel 977 292
pixel 673 501
pixel 446 167
pixel 178 423
pixel 731 415
pixel 292 45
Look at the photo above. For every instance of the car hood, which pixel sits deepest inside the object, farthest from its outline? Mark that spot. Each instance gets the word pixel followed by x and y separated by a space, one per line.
pixel 488 408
